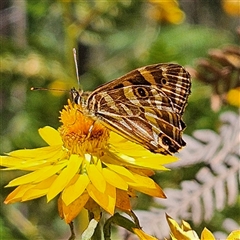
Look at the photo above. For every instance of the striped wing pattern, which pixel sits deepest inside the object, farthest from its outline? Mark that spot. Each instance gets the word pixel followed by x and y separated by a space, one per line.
pixel 144 106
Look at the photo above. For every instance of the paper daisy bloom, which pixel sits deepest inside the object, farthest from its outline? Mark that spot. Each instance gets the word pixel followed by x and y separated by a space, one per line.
pixel 86 165
pixel 185 232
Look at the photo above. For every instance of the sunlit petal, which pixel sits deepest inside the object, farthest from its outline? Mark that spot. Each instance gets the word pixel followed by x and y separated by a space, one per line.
pixel 37 175
pixel 68 213
pixel 154 192
pixel 50 136
pixel 39 189
pixel 207 235
pixel 106 200
pixel 65 176
pixel 178 233
pixel 72 192
pixel 17 193
pixel 96 178
pixel 31 159
pixel 234 235
pixel 142 235
pixel 121 170
pixel 142 181
pixel 186 226
pixel 114 179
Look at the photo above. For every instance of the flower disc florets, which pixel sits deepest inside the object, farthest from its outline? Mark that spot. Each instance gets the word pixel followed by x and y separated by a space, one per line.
pixel 81 134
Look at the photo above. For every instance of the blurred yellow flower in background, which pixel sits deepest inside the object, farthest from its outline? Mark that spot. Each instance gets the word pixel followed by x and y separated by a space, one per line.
pixel 231 7
pixel 233 97
pixel 166 11
pixel 88 165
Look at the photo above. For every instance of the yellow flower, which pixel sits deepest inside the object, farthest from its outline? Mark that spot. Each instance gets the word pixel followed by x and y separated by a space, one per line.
pixel 186 233
pixel 233 97
pixel 88 165
pixel 142 235
pixel 166 11
pixel 231 7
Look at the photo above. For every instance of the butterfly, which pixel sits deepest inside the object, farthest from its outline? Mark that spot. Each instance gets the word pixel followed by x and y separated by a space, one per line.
pixel 144 106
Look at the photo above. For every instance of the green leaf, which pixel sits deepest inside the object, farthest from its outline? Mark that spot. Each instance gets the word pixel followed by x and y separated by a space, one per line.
pixel 118 220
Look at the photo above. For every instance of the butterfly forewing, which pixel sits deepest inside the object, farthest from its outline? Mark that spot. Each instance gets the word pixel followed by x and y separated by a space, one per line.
pixel 145 106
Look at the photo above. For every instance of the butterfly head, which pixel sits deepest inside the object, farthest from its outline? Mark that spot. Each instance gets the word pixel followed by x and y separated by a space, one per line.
pixel 79 96
pixel 76 96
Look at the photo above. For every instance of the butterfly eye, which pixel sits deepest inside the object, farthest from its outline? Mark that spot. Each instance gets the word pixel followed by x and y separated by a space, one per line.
pixel 75 99
pixel 75 96
pixel 141 92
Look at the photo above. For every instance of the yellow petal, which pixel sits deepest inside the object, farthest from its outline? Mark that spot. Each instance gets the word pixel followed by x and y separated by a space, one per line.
pixel 178 233
pixel 31 159
pixel 142 181
pixel 106 200
pixel 96 177
pixel 185 226
pixel 68 213
pixel 137 155
pixel 142 235
pixel 72 192
pixel 155 162
pixel 50 135
pixel 123 200
pixel 142 171
pixel 17 193
pixel 114 179
pixel 39 189
pixel 146 185
pixel 7 161
pixel 51 170
pixel 234 235
pixel 37 175
pixel 44 152
pixel 151 163
pixel 117 139
pixel 65 176
pixel 207 235
pixel 121 170
pixel 154 192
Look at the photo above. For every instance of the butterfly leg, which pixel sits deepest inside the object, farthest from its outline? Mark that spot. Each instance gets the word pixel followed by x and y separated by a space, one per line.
pixel 90 130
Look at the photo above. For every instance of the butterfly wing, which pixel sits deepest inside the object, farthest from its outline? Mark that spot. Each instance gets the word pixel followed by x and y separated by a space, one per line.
pixel 142 107
pixel 149 121
pixel 173 80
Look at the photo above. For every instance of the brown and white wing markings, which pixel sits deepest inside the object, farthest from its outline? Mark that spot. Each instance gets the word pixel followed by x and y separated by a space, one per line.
pixel 145 106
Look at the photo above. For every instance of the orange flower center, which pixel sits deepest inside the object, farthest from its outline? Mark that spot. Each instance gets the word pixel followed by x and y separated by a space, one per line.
pixel 82 134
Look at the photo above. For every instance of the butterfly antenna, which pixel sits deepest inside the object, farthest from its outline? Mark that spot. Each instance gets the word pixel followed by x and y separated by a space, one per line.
pixel 76 65
pixel 47 89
